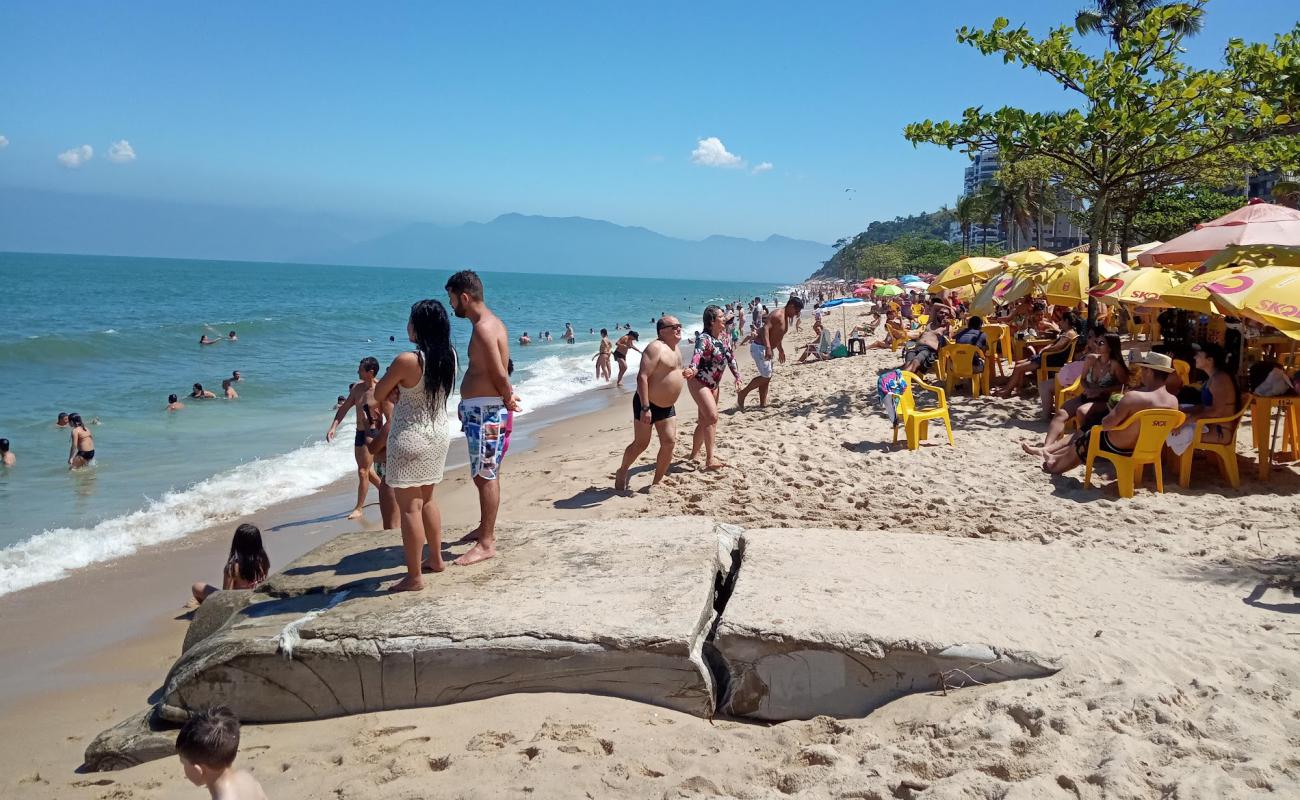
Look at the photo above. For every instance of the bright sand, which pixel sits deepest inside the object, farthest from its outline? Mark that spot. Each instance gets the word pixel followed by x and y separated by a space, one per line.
pixel 1158 698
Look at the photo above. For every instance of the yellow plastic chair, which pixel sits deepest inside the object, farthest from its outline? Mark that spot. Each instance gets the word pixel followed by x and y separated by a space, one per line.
pixel 1226 451
pixel 957 364
pixel 897 336
pixel 1066 393
pixel 1155 425
pixel 1183 370
pixel 922 319
pixel 1045 372
pixel 916 422
pixel 999 338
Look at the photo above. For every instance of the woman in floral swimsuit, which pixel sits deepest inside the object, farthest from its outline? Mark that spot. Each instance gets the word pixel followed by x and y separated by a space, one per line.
pixel 704 376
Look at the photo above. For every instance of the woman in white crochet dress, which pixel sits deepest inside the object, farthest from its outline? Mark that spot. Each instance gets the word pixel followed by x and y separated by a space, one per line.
pixel 418 438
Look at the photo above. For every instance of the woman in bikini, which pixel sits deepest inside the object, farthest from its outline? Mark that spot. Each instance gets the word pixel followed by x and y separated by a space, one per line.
pixel 603 371
pixel 246 568
pixel 620 353
pixel 704 377
pixel 82 451
pixel 1104 373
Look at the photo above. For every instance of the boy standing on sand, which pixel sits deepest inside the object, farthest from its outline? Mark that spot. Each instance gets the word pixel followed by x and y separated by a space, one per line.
pixel 770 335
pixel 659 383
pixel 361 395
pixel 486 402
pixel 207 746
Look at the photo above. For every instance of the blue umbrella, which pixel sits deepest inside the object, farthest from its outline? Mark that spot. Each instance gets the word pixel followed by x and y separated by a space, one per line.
pixel 910 279
pixel 843 301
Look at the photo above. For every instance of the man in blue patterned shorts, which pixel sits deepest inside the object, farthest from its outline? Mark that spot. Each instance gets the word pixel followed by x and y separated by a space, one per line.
pixel 486 401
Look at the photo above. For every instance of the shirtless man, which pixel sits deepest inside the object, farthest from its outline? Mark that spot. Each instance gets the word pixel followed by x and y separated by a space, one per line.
pixel 770 337
pixel 229 389
pixel 1069 453
pixel 624 344
pixel 361 396
pixel 174 403
pixel 659 382
pixel 487 399
pixel 7 458
pixel 928 345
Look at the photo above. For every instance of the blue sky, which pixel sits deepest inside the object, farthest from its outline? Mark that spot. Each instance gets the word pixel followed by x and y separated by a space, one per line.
pixel 456 112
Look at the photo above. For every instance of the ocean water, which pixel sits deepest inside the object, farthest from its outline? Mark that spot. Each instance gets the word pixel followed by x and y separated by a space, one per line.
pixel 110 338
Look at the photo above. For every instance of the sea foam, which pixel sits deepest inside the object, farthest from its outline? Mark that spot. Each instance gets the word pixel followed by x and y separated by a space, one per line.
pixel 252 486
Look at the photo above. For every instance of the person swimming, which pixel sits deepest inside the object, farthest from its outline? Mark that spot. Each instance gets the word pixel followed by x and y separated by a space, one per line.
pixel 62 421
pixel 174 404
pixel 205 340
pixel 200 393
pixel 231 336
pixel 7 458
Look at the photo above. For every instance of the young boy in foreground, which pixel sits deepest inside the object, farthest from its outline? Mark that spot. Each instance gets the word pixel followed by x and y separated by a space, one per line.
pixel 207 745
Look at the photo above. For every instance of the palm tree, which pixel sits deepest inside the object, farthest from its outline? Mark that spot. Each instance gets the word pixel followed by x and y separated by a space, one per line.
pixel 967 211
pixel 988 204
pixel 1114 17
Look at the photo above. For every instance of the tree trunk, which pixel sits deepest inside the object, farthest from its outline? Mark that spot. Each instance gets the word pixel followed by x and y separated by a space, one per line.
pixel 1098 224
pixel 1125 233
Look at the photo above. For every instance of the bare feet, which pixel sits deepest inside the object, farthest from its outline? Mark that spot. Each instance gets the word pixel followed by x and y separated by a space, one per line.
pixel 620 481
pixel 740 399
pixel 1031 450
pixel 407 584
pixel 715 464
pixel 433 566
pixel 356 514
pixel 475 554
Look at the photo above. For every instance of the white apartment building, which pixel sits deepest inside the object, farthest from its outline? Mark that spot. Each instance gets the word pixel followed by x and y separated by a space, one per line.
pixel 1058 231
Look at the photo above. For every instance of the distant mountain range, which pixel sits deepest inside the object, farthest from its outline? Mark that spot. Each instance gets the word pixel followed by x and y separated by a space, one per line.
pixel 41 221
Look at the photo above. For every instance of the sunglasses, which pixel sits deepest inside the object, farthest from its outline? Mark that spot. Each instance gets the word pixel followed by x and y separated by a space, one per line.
pixel 677 327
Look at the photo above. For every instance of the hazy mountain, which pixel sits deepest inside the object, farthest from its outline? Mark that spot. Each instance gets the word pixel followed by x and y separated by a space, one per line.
pixel 41 221
pixel 37 221
pixel 577 245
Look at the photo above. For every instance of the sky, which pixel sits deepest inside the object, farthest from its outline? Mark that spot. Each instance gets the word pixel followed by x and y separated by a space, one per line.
pixel 744 119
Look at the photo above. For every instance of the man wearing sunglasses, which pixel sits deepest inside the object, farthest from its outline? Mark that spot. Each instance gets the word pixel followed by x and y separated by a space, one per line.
pixel 659 383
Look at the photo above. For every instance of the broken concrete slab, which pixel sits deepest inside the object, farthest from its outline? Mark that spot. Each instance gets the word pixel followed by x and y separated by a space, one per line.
pixel 136 740
pixel 618 607
pixel 839 623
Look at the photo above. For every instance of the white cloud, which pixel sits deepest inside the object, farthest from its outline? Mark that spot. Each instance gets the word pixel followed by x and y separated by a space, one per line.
pixel 76 156
pixel 121 152
pixel 3 142
pixel 766 166
pixel 711 152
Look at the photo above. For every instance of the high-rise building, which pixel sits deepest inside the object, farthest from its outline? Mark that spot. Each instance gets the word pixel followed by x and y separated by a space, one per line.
pixel 983 169
pixel 1058 230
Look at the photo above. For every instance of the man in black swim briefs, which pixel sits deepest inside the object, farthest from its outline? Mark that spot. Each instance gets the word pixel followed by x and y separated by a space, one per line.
pixel 361 396
pixel 659 383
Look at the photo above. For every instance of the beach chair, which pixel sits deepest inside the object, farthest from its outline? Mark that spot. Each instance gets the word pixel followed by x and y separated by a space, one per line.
pixel 999 338
pixel 957 364
pixel 1065 394
pixel 1155 425
pixel 897 336
pixel 916 422
pixel 1045 372
pixel 1226 451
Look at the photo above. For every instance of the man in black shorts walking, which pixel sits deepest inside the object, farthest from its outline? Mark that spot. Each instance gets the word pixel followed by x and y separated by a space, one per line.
pixel 659 383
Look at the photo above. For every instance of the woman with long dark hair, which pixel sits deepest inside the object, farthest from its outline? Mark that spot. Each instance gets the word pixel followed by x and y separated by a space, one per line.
pixel 418 436
pixel 246 567
pixel 82 451
pixel 1104 373
pixel 704 378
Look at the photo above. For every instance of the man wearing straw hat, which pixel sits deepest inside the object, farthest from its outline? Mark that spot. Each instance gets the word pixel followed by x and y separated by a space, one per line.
pixel 1155 369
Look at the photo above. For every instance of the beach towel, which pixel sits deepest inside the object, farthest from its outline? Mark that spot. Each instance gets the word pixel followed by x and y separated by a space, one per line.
pixel 889 388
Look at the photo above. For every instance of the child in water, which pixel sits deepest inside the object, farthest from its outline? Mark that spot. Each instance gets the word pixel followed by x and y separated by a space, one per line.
pixel 247 566
pixel 207 746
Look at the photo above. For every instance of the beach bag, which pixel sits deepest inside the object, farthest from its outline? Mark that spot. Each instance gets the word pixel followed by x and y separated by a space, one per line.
pixel 889 388
pixel 840 352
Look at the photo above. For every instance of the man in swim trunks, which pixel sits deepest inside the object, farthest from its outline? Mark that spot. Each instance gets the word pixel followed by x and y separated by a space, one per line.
pixel 1069 453
pixel 624 344
pixel 361 396
pixel 770 336
pixel 922 354
pixel 659 383
pixel 487 400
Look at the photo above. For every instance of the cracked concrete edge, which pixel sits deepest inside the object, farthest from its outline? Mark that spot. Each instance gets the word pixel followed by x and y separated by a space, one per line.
pixel 730 542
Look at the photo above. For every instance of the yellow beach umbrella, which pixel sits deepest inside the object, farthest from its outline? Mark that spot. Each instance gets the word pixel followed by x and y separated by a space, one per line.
pixel 1031 256
pixel 1253 255
pixel 1138 287
pixel 993 293
pixel 965 272
pixel 1269 295
pixel 1194 294
pixel 1066 281
pixel 1138 249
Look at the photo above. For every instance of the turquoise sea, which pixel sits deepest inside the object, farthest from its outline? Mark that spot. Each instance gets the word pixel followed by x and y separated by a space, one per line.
pixel 110 338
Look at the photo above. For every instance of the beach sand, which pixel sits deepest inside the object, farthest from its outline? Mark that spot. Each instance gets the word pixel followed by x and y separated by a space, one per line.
pixel 1180 681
